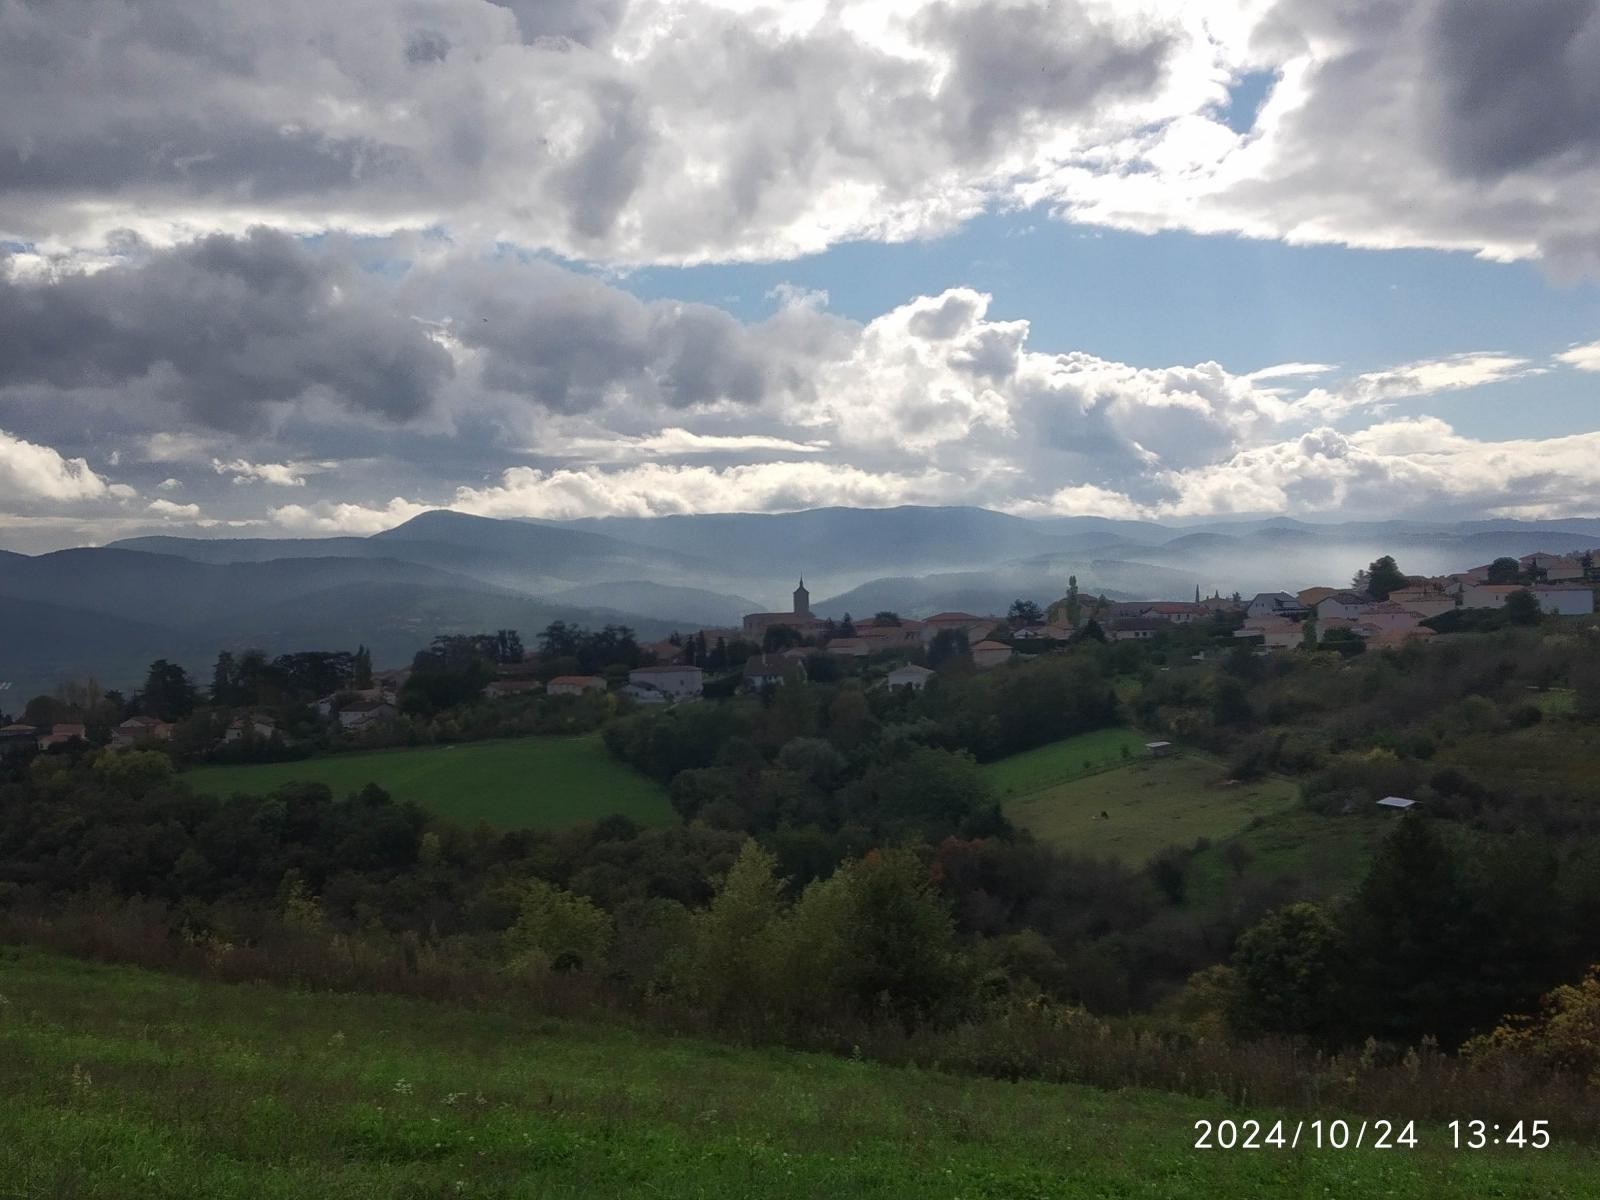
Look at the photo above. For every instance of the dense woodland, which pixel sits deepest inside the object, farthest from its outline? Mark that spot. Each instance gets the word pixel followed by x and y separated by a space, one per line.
pixel 840 859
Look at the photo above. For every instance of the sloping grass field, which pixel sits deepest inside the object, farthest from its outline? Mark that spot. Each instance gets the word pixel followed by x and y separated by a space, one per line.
pixel 122 1084
pixel 533 782
pixel 1131 811
pixel 1059 762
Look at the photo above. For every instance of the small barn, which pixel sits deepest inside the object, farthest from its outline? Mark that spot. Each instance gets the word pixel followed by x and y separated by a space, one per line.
pixel 1158 749
pixel 1399 802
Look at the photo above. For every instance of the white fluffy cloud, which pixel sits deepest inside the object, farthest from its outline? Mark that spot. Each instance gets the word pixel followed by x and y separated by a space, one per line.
pixel 329 517
pixel 30 473
pixel 1584 358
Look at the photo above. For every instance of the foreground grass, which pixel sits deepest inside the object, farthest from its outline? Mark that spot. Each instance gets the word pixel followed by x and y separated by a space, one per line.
pixel 1148 806
pixel 122 1083
pixel 533 782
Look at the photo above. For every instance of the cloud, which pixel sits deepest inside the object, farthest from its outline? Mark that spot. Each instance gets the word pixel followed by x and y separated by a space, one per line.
pixel 1430 377
pixel 659 489
pixel 326 517
pixel 1585 357
pixel 1452 124
pixel 226 327
pixel 167 509
pixel 30 472
pixel 642 131
pixel 170 485
pixel 281 474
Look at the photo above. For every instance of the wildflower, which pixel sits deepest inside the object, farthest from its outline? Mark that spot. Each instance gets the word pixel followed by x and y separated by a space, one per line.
pixel 402 1087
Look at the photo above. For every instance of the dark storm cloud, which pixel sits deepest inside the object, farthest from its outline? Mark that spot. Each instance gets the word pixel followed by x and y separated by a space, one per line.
pixel 225 325
pixel 253 162
pixel 1023 58
pixel 1517 84
pixel 571 343
pixel 582 21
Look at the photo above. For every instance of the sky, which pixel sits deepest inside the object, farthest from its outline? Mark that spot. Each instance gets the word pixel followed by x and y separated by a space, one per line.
pixel 309 269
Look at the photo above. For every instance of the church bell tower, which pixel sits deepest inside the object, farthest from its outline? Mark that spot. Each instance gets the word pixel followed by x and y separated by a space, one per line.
pixel 802 600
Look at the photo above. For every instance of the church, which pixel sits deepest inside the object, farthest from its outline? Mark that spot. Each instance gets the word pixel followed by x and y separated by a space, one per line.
pixel 799 617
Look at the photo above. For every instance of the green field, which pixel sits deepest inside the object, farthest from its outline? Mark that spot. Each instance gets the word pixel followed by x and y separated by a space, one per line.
pixel 535 782
pixel 1059 762
pixel 1326 855
pixel 122 1084
pixel 1147 805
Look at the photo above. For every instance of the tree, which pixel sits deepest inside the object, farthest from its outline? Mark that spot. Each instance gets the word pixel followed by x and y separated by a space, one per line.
pixel 559 640
pixel 1383 577
pixel 508 646
pixel 557 930
pixel 947 644
pixel 1289 969
pixel 886 617
pixel 780 637
pixel 224 679
pixel 1522 608
pixel 729 955
pixel 1024 612
pixel 847 627
pixel 361 669
pixel 1505 570
pixel 167 692
pixel 1092 632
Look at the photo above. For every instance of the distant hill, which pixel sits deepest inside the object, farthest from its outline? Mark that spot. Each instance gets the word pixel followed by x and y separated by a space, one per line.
pixel 109 612
pixel 683 605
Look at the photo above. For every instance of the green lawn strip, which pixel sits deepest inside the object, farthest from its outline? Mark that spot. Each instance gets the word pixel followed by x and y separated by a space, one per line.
pixel 1324 855
pixel 534 782
pixel 124 1084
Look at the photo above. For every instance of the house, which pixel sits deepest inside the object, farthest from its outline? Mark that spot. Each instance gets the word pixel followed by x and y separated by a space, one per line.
pixel 136 731
pixel 1564 600
pixel 366 712
pixel 1275 604
pixel 15 737
pixel 501 688
pixel 1179 612
pixel 61 733
pixel 848 647
pixel 673 682
pixel 1567 600
pixel 910 676
pixel 976 628
pixel 1136 629
pixel 254 725
pixel 574 685
pixel 1391 617
pixel 1348 605
pixel 330 703
pixel 641 693
pixel 768 670
pixel 1399 802
pixel 1552 568
pixel 1276 633
pixel 1310 597
pixel 1426 600
pixel 887 635
pixel 990 654
pixel 1158 749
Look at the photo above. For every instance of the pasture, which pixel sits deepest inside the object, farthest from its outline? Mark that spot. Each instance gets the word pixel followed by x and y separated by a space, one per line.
pixel 529 783
pixel 1132 811
pixel 124 1084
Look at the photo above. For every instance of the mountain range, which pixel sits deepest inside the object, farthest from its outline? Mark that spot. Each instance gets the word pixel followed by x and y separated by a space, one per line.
pixel 110 610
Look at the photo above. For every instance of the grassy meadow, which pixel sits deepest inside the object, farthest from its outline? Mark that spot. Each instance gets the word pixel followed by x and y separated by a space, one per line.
pixel 1149 804
pixel 124 1084
pixel 533 782
pixel 1059 762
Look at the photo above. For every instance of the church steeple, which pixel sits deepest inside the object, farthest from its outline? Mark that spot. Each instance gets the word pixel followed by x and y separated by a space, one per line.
pixel 802 600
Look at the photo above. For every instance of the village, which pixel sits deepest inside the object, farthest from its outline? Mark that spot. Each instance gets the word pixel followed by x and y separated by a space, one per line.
pixel 1381 609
